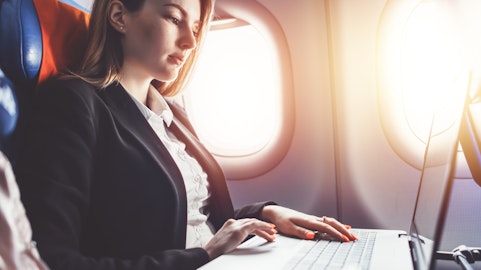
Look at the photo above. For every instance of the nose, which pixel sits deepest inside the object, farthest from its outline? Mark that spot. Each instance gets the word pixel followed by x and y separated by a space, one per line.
pixel 188 40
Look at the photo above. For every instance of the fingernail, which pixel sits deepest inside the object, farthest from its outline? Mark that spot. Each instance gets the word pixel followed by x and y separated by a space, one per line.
pixel 354 237
pixel 345 238
pixel 347 226
pixel 309 235
pixel 275 231
pixel 272 225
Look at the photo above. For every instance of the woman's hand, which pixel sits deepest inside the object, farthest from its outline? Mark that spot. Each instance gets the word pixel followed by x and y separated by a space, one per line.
pixel 233 232
pixel 294 223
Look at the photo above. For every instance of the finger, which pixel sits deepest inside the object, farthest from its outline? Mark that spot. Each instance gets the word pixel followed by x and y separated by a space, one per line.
pixel 326 225
pixel 341 228
pixel 335 233
pixel 324 236
pixel 309 226
pixel 330 236
pixel 269 237
pixel 255 222
pixel 255 225
pixel 300 232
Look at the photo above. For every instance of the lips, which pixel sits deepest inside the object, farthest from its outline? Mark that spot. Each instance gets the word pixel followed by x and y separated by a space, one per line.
pixel 176 59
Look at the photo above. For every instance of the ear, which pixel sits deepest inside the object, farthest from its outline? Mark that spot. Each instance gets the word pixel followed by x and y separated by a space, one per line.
pixel 116 15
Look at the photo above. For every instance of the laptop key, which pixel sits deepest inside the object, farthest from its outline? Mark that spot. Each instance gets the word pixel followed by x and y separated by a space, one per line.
pixel 324 254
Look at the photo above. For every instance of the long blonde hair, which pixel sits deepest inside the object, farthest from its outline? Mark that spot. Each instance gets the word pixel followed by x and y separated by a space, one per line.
pixel 103 57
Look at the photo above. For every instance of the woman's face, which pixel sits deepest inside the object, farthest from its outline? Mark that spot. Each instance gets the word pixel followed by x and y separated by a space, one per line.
pixel 160 36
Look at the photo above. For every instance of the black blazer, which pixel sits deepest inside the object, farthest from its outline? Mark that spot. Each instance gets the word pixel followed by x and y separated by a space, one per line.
pixel 102 191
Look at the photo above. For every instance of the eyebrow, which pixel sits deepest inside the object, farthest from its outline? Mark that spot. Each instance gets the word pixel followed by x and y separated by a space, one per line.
pixel 181 9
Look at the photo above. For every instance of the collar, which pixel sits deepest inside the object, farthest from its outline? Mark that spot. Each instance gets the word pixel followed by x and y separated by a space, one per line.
pixel 156 106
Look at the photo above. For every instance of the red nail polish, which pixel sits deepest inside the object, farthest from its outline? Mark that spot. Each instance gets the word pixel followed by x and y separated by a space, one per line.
pixel 309 235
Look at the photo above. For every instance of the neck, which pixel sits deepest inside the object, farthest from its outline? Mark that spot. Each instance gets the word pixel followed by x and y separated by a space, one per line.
pixel 135 84
pixel 137 90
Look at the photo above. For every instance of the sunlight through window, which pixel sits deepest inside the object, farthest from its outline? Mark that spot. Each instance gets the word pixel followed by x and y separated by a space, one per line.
pixel 422 68
pixel 431 66
pixel 233 98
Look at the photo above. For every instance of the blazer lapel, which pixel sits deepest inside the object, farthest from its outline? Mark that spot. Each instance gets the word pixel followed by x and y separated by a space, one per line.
pixel 126 112
pixel 128 115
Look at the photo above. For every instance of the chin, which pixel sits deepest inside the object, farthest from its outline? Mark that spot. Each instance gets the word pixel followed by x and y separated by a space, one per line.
pixel 167 76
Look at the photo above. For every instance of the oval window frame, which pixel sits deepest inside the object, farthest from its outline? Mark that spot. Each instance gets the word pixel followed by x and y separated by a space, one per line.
pixel 262 161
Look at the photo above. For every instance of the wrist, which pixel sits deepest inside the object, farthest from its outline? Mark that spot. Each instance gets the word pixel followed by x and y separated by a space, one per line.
pixel 268 213
pixel 211 251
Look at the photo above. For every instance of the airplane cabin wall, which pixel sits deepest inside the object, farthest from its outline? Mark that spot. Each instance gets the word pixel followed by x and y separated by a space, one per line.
pixel 305 179
pixel 377 188
pixel 339 163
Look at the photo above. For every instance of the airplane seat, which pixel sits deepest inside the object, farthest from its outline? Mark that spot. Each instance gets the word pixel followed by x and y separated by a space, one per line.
pixel 8 111
pixel 20 58
pixel 38 39
pixel 20 41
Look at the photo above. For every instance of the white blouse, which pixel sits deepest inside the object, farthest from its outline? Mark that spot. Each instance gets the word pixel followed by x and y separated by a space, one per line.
pixel 159 115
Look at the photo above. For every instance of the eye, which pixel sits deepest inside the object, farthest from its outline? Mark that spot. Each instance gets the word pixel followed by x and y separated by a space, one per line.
pixel 175 20
pixel 196 30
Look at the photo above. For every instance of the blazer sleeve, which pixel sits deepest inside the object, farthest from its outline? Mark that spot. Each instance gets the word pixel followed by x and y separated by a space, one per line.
pixel 54 176
pixel 252 210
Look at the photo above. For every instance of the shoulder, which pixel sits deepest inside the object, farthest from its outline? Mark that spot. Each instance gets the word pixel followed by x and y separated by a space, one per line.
pixel 62 99
pixel 65 84
pixel 66 90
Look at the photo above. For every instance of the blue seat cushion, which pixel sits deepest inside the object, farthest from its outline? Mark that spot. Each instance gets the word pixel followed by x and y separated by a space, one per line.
pixel 20 41
pixel 8 107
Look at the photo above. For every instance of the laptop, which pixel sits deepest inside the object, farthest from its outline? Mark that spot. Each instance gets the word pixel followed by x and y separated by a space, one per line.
pixel 378 249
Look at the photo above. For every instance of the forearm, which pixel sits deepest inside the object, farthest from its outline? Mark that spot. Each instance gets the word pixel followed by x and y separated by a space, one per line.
pixel 253 211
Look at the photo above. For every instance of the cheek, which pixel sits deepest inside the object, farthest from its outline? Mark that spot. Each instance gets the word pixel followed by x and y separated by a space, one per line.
pixel 145 39
pixel 147 32
pixel 145 29
pixel 158 42
pixel 145 35
pixel 149 44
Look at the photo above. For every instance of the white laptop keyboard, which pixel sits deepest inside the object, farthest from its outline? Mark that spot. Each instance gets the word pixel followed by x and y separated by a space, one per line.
pixel 333 255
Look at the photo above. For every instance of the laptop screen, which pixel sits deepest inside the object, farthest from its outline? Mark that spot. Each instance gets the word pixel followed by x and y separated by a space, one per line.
pixel 436 180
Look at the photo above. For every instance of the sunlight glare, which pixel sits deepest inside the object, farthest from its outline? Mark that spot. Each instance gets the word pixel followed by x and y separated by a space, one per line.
pixel 431 66
pixel 233 97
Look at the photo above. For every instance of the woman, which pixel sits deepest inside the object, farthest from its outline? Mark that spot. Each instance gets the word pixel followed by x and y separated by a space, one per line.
pixel 113 176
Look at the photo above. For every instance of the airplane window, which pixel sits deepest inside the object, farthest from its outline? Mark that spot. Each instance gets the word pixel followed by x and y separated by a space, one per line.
pixel 421 67
pixel 240 97
pixel 431 65
pixel 234 94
